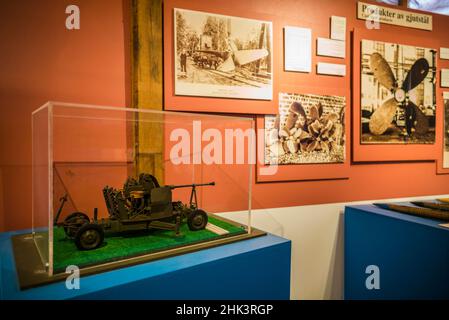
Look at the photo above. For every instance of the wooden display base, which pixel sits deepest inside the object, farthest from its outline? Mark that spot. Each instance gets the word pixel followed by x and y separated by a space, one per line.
pixel 31 271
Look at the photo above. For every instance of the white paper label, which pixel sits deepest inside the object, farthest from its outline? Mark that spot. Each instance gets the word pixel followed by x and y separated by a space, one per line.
pixel 338 28
pixel 445 78
pixel 331 69
pixel 444 53
pixel 298 49
pixel 331 48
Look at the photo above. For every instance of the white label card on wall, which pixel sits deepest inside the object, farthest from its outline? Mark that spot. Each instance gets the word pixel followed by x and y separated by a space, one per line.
pixel 444 53
pixel 338 28
pixel 298 49
pixel 331 48
pixel 331 69
pixel 446 95
pixel 445 78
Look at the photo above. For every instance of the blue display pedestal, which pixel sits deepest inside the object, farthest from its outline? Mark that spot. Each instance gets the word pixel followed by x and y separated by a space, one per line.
pixel 257 268
pixel 411 253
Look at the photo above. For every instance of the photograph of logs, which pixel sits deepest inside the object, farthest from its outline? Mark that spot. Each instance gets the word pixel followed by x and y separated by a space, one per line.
pixel 308 129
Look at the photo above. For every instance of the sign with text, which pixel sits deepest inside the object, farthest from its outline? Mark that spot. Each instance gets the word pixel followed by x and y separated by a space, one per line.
pixel 392 16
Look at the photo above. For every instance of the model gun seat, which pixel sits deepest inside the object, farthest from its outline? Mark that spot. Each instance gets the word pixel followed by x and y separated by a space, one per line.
pixel 161 200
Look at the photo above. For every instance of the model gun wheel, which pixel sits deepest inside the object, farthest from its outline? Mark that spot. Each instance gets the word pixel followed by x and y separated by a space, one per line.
pixel 197 220
pixel 73 222
pixel 90 236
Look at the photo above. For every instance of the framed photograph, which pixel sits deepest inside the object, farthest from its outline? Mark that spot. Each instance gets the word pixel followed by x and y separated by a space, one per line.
pixel 308 129
pixel 394 97
pixel 306 139
pixel 398 100
pixel 222 56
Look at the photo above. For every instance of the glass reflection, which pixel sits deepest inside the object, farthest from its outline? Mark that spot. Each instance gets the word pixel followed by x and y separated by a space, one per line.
pixel 435 6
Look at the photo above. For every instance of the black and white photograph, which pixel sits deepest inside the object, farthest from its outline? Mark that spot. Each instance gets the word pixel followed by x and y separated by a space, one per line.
pixel 446 131
pixel 308 129
pixel 222 56
pixel 398 101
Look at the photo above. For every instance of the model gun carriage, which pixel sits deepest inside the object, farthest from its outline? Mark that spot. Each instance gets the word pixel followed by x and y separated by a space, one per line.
pixel 142 204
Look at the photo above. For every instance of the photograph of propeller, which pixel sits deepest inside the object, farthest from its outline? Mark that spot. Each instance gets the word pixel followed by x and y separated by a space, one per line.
pixel 222 56
pixel 308 129
pixel 397 94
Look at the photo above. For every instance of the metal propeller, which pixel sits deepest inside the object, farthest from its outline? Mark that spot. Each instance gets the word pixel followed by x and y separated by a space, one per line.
pixel 381 119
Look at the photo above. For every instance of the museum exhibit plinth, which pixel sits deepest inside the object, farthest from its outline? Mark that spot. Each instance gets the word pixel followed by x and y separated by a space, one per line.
pixel 231 271
pixel 390 255
pixel 97 205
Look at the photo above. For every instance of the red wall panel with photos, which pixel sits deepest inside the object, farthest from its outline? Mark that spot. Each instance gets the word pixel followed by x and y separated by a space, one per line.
pixel 41 60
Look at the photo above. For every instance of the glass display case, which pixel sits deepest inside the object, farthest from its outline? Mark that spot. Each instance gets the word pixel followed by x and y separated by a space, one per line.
pixel 115 186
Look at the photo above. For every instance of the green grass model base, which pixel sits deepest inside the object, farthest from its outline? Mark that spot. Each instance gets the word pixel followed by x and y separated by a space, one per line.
pixel 126 245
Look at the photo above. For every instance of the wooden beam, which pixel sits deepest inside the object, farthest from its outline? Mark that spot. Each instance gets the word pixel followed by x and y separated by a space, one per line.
pixel 147 86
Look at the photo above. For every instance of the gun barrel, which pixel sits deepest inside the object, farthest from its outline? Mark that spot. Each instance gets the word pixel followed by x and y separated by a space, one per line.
pixel 193 185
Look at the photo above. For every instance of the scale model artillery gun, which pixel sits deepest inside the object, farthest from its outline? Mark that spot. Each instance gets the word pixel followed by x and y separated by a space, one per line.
pixel 141 205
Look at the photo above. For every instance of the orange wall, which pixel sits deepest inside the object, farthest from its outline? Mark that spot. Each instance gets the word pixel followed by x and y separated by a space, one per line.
pixel 40 60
